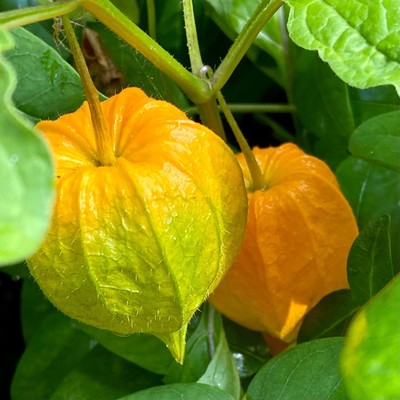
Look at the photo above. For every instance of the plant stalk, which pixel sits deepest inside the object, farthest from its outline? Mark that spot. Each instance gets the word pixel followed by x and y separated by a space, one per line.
pixel 151 19
pixel 29 15
pixel 104 145
pixel 109 15
pixel 265 10
pixel 208 111
pixel 258 180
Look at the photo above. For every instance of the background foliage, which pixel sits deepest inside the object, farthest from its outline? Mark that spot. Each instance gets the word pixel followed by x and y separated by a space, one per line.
pixel 353 128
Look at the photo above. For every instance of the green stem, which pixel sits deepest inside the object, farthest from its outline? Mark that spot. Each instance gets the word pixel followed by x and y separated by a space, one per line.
pixel 211 117
pixel 109 15
pixel 245 39
pixel 151 18
pixel 208 111
pixel 15 18
pixel 258 180
pixel 211 329
pixel 104 145
pixel 191 37
pixel 254 108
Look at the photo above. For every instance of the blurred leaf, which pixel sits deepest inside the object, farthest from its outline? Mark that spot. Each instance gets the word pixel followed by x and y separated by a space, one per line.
pixel 378 141
pixel 47 85
pixel 102 375
pixel 371 352
pixel 222 372
pixel 34 308
pixel 371 102
pixel 232 15
pixel 248 348
pixel 369 269
pixel 147 351
pixel 130 8
pixel 198 354
pixel 308 371
pixel 182 391
pixel 26 179
pixel 359 40
pixel 55 348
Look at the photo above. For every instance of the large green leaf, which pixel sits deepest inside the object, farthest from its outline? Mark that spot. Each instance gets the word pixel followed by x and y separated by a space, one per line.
pixel 26 179
pixel 308 371
pixel 47 85
pixel 179 391
pixel 378 141
pixel 368 103
pixel 359 39
pixel 55 348
pixel 222 372
pixel 370 189
pixel 370 268
pixel 327 114
pixel 103 375
pixel 371 352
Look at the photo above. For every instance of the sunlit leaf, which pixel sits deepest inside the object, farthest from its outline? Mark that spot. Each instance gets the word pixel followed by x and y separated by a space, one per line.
pixel 308 371
pixel 26 179
pixel 371 352
pixel 360 40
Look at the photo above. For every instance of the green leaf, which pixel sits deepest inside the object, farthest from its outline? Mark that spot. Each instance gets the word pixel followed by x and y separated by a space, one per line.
pixel 308 371
pixel 198 353
pixel 47 85
pixel 371 190
pixel 371 352
pixel 55 348
pixel 370 268
pixel 360 40
pixel 370 265
pixel 26 179
pixel 371 102
pixel 222 372
pixel 179 391
pixel 147 351
pixel 103 375
pixel 34 308
pixel 327 114
pixel 378 141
